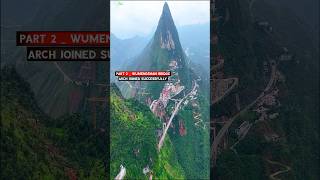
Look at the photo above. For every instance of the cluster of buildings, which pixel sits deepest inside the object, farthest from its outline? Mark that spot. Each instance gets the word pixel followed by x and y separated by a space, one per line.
pixel 263 109
pixel 170 89
pixel 269 99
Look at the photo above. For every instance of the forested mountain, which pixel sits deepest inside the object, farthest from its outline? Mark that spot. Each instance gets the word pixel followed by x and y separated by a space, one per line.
pixel 180 105
pixel 35 146
pixel 49 80
pixel 273 130
pixel 194 40
pixel 133 141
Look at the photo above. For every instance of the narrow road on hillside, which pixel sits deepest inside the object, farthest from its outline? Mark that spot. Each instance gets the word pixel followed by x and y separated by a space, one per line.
pixel 226 126
pixel 62 72
pixel 273 175
pixel 234 84
pixel 160 144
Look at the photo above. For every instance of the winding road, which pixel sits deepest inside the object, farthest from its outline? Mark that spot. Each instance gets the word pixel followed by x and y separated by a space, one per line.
pixel 234 84
pixel 222 132
pixel 160 144
pixel 273 175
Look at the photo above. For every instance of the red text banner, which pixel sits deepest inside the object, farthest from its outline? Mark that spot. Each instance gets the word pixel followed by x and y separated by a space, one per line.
pixel 63 38
pixel 143 73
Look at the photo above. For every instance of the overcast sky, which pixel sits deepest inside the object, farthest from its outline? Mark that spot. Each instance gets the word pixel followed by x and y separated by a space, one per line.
pixel 130 18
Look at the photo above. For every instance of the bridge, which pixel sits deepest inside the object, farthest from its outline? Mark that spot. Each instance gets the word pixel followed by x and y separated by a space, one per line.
pixel 160 144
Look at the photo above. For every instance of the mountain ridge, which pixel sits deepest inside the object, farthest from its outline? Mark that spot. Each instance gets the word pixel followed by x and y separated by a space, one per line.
pixel 162 49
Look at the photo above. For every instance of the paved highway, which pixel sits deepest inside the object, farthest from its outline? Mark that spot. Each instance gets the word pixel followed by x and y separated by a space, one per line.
pixel 160 144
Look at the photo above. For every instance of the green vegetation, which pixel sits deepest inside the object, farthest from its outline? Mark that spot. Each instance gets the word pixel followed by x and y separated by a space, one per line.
pixel 34 146
pixel 134 127
pixel 243 167
pixel 193 149
pixel 23 139
pixel 167 166
pixel 134 141
pixel 245 46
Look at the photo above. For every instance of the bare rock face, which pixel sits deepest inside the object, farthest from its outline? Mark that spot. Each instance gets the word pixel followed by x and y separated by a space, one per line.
pixel 167 42
pixel 166 33
pixel 163 52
